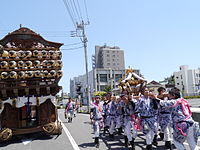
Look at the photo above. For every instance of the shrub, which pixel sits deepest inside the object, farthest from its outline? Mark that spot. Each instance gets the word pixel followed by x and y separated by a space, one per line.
pixel 191 97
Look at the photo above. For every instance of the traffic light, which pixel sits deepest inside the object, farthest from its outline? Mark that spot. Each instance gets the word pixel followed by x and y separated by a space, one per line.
pixel 78 89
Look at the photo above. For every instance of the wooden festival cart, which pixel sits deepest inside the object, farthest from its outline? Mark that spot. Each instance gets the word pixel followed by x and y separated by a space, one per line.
pixel 30 69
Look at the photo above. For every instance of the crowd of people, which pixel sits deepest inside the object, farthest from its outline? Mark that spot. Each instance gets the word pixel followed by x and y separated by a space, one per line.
pixel 165 114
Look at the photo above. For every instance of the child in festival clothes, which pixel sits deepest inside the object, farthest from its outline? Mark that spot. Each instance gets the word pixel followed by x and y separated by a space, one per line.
pixel 184 127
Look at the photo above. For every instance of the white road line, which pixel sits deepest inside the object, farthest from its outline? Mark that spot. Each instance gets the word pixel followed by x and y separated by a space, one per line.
pixel 72 141
pixel 26 141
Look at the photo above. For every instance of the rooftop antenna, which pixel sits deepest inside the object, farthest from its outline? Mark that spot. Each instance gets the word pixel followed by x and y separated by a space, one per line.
pixel 20 25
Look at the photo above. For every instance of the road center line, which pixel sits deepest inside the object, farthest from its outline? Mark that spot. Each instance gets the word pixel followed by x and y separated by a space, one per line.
pixel 71 139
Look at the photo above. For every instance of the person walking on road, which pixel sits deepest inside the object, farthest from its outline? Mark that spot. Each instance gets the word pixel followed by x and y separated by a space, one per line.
pixel 147 108
pixel 97 120
pixel 130 132
pixel 69 110
pixel 165 119
pixel 112 116
pixel 184 127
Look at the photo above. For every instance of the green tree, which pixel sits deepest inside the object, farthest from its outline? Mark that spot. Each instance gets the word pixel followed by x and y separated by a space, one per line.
pixel 100 93
pixel 107 89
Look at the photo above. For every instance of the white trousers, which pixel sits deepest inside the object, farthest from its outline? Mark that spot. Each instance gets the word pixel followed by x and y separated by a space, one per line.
pixel 118 122
pixel 168 133
pixel 190 140
pixel 130 131
pixel 112 127
pixel 97 129
pixel 149 137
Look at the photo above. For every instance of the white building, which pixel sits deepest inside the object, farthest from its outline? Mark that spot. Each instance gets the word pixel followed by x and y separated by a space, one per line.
pixel 109 57
pixel 188 81
pixel 99 79
pixel 108 69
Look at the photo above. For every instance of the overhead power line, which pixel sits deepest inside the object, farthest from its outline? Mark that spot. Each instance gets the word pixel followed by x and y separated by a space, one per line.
pixel 73 44
pixel 70 14
pixel 79 8
pixel 77 11
pixel 86 11
pixel 69 49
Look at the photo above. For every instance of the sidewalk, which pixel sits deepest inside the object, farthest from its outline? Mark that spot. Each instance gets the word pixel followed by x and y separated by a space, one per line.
pixel 196 114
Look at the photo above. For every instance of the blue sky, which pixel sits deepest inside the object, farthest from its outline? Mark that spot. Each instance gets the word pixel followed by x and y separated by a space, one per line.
pixel 157 36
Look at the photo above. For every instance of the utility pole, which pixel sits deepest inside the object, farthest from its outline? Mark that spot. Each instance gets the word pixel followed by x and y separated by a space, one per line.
pixel 80 32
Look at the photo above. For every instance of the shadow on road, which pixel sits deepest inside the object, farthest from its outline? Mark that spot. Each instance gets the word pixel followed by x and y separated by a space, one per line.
pixel 86 145
pixel 31 137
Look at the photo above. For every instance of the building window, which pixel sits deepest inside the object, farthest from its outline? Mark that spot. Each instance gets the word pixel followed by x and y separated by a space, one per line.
pixel 177 83
pixel 113 55
pixel 103 78
pixel 118 77
pixel 97 78
pixel 108 55
pixel 108 64
pixel 176 77
pixel 102 87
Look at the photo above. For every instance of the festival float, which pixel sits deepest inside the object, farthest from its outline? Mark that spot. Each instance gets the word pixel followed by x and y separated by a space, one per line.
pixel 30 69
pixel 132 82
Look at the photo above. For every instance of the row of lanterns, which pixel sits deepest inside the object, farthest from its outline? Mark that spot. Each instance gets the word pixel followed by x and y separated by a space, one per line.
pixel 36 63
pixel 28 54
pixel 31 74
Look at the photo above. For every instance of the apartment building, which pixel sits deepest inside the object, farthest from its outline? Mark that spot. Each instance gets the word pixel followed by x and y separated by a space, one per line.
pixel 188 80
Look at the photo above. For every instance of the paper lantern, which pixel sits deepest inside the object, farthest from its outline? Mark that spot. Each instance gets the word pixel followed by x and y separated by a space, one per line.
pixel 36 63
pixel 4 64
pixel 13 75
pixel 12 54
pixel 21 74
pixel 29 63
pixel 52 73
pixel 4 75
pixel 59 73
pixel 21 64
pixel 29 74
pixel 12 64
pixel 28 53
pixel 36 53
pixel 45 73
pixel 44 53
pixel 4 53
pixel 38 74
pixel 21 54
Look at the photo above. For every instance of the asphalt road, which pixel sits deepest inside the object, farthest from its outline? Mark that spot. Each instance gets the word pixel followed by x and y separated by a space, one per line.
pixel 77 135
